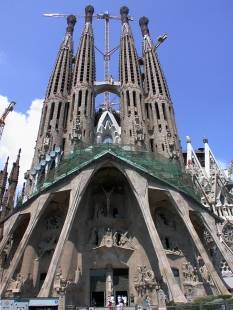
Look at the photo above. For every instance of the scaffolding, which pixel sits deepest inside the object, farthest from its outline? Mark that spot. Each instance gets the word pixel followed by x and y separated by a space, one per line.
pixel 156 165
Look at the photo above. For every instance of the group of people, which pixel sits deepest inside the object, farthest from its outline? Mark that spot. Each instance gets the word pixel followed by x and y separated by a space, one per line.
pixel 122 301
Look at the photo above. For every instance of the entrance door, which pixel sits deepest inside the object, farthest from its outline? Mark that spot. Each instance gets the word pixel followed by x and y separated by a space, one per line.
pixel 99 298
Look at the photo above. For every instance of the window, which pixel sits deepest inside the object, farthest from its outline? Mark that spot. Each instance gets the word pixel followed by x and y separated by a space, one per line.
pixel 107 139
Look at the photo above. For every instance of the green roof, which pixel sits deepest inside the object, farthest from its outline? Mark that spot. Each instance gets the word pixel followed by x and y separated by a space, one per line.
pixel 154 164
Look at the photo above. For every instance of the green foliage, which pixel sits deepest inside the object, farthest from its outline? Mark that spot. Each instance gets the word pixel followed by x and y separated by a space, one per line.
pixel 204 299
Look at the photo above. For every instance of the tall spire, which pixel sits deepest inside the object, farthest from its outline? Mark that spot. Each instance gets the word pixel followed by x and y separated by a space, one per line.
pixel 160 119
pixel 133 128
pixel 60 80
pixel 52 131
pixel 81 112
pixel 9 197
pixel 3 180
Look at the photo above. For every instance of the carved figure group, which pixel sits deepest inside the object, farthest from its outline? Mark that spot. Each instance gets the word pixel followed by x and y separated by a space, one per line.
pixel 47 141
pixel 211 245
pixel 109 238
pixel 205 274
pixel 189 273
pixel 62 284
pixel 15 284
pixel 77 130
pixel 138 129
pixel 166 222
pixel 47 245
pixel 53 222
pixel 172 152
pixel 145 276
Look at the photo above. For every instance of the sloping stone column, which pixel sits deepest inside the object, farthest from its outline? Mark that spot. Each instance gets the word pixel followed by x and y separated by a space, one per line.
pixel 217 242
pixel 8 229
pixel 37 207
pixel 140 189
pixel 77 189
pixel 183 207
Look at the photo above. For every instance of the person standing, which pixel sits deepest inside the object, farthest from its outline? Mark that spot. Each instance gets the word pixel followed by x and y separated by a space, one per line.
pixel 93 303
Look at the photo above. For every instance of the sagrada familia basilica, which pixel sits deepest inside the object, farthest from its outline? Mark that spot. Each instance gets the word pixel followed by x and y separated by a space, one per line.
pixel 111 206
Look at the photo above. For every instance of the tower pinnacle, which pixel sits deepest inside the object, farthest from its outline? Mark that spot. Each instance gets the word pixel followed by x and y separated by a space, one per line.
pixel 124 11
pixel 71 21
pixel 143 22
pixel 89 11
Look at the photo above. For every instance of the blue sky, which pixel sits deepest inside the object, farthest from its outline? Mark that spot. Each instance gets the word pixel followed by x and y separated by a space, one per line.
pixel 197 59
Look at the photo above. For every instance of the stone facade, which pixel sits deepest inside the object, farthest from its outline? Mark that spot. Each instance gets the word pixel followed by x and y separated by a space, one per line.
pixel 116 220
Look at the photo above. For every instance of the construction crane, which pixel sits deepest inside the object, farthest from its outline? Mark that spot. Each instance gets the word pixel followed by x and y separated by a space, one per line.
pixel 105 16
pixel 161 39
pixel 4 115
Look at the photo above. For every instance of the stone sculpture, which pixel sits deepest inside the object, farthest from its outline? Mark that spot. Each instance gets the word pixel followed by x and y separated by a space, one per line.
pixel 166 222
pixel 53 222
pixel 47 141
pixel 172 152
pixel 78 276
pixel 47 245
pixel 189 273
pixel 101 237
pixel 205 274
pixel 210 243
pixel 77 129
pixel 93 239
pixel 138 129
pixel 108 194
pixel 145 279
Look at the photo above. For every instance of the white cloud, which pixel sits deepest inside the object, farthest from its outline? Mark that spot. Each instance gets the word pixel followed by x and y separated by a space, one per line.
pixel 20 131
pixel 222 164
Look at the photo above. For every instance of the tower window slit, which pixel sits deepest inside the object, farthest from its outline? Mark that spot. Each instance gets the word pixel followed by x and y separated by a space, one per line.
pixel 66 112
pixel 147 110
pixel 91 105
pixel 157 110
pixel 152 76
pixel 79 99
pixel 163 147
pixel 64 74
pixel 51 115
pixel 59 110
pixel 58 74
pixel 157 76
pixel 86 100
pixel 134 99
pixel 58 113
pixel 72 107
pixel 127 98
pixel 164 111
pixel 43 121
pixel 63 143
pixel 152 145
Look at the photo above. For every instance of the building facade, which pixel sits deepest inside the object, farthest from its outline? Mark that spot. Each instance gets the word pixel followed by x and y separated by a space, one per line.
pixel 111 207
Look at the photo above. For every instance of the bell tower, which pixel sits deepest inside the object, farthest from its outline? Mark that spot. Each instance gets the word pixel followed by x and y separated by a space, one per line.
pixel 160 119
pixel 82 109
pixel 133 130
pixel 53 124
